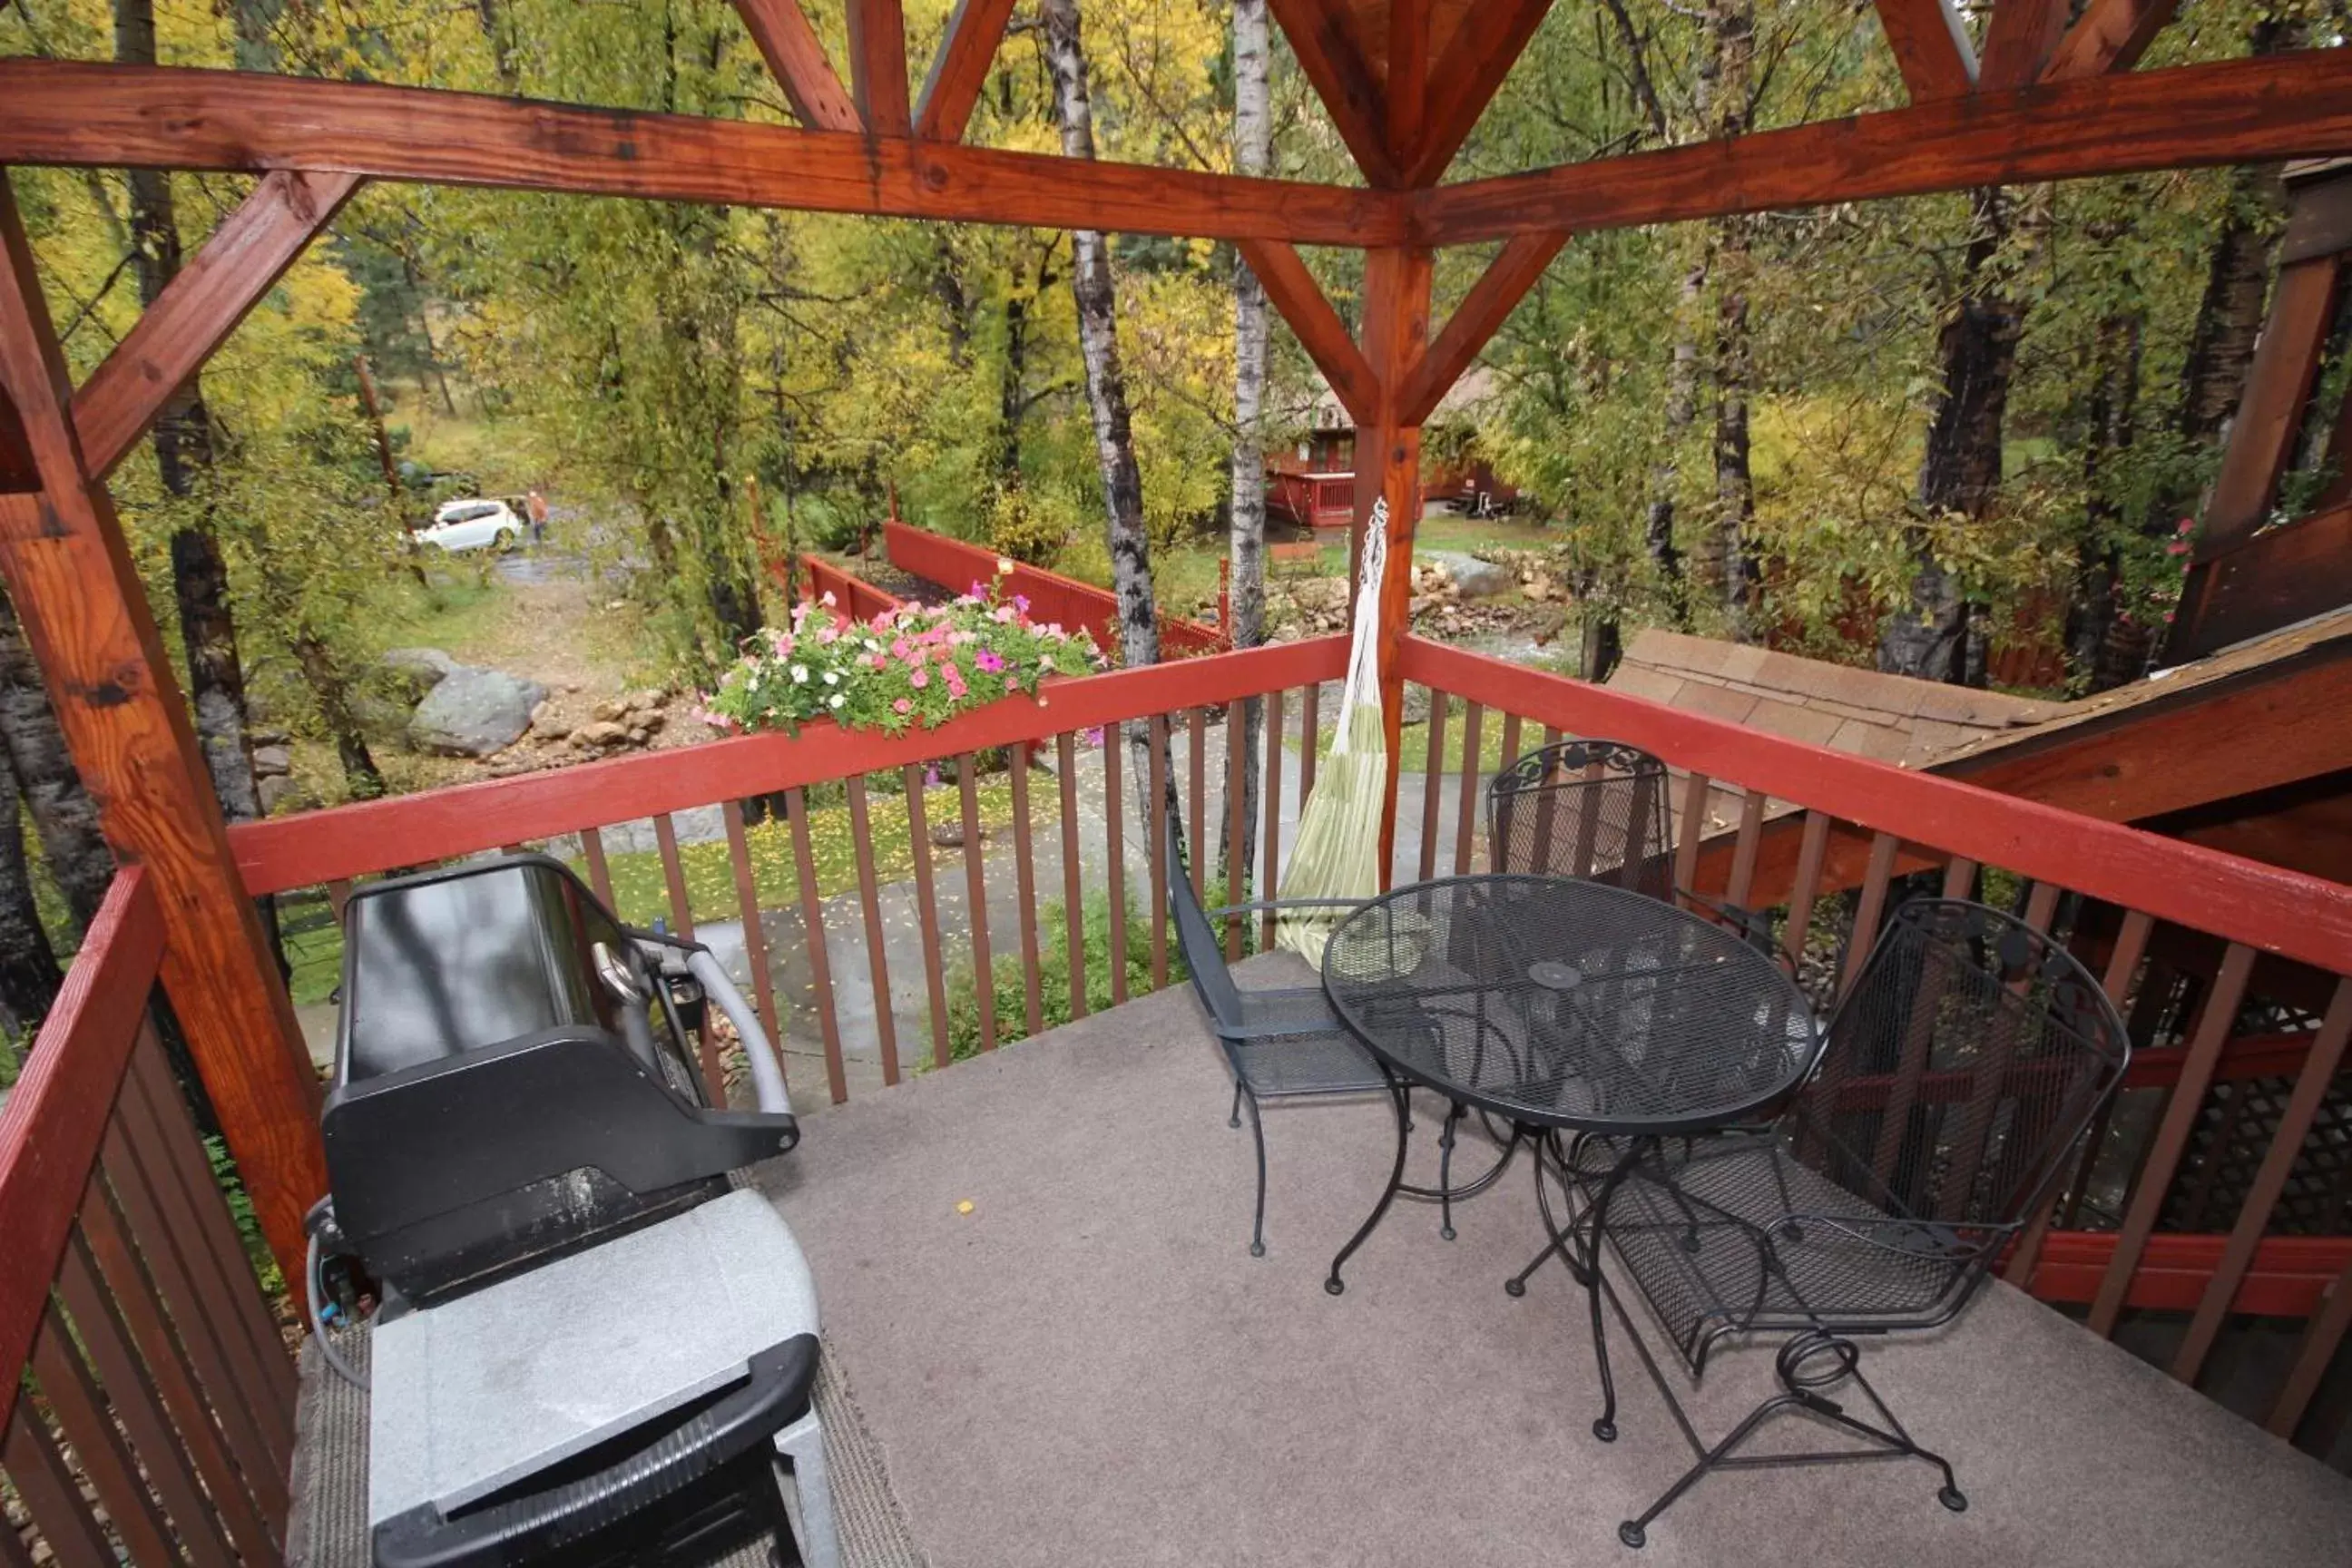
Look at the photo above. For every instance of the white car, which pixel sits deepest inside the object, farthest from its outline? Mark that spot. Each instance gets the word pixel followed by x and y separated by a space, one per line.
pixel 473 525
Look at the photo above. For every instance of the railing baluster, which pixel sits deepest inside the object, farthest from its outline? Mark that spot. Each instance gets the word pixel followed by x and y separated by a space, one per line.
pixel 812 933
pixel 1115 851
pixel 99 1324
pixel 1960 877
pixel 1024 873
pixel 1465 828
pixel 148 1312
pixel 1433 779
pixel 190 1291
pixel 1688 832
pixel 2042 905
pixel 1510 746
pixel 1074 908
pixel 681 912
pixel 1310 737
pixel 1810 850
pixel 2172 1136
pixel 975 885
pixel 1743 847
pixel 1237 821
pixel 870 904
pixel 2311 1087
pixel 339 896
pixel 2317 1354
pixel 156 1118
pixel 600 875
pixel 1883 846
pixel 1160 870
pixel 1270 846
pixel 1196 821
pixel 51 1493
pixel 755 933
pixel 105 1459
pixel 926 907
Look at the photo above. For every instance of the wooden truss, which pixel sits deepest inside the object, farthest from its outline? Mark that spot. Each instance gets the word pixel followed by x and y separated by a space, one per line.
pixel 1404 81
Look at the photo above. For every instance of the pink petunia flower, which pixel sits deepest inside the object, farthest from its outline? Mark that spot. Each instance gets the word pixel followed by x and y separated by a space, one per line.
pixel 989 661
pixel 902 706
pixel 954 675
pixel 920 679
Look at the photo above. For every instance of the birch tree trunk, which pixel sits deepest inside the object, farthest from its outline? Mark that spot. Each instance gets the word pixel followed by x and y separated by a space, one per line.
pixel 183 452
pixel 1098 303
pixel 1731 25
pixel 1253 153
pixel 64 819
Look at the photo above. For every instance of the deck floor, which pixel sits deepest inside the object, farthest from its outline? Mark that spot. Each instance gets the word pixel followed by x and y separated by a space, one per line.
pixel 1090 1369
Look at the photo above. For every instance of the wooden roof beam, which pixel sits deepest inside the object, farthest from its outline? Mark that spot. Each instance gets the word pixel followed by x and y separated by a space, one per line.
pixel 1475 322
pixel 1488 41
pixel 959 69
pixel 1322 34
pixel 242 261
pixel 2279 106
pixel 796 59
pixel 54 111
pixel 1931 47
pixel 2020 40
pixel 2111 37
pixel 877 66
pixel 1407 89
pixel 1321 332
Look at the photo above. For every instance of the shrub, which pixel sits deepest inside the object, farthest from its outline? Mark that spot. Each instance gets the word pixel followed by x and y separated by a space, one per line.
pixel 1054 974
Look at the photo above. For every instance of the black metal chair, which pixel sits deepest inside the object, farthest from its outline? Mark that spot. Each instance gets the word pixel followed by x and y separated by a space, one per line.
pixel 1599 811
pixel 1282 1044
pixel 1969 1060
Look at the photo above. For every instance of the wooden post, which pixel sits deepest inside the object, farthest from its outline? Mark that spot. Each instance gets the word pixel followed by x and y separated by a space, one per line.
pixel 1388 464
pixel 77 591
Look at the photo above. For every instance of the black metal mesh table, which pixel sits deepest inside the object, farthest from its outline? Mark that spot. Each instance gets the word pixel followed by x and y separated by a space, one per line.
pixel 1564 1005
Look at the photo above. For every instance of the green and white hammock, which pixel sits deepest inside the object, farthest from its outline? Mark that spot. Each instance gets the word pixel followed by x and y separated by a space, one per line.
pixel 1337 852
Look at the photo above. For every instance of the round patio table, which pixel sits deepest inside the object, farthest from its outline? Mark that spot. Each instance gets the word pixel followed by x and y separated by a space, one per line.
pixel 1564 1005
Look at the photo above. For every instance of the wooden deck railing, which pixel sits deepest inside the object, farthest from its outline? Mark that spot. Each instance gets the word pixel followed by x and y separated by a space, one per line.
pixel 149 1407
pixel 2176 930
pixel 2233 972
pixel 957 565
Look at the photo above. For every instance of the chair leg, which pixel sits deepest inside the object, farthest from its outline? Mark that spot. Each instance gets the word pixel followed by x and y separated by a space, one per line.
pixel 1233 1118
pixel 1445 1173
pixel 1257 1228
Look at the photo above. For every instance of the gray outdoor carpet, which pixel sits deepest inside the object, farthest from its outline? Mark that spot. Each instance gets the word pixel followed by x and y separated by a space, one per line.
pixel 329 1527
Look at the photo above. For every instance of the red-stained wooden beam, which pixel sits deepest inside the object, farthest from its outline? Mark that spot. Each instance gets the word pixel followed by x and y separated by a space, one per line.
pixel 1931 48
pixel 2284 912
pixel 373 836
pixel 77 589
pixel 1487 42
pixel 2247 1056
pixel 796 59
pixel 1406 89
pixel 2111 37
pixel 55 111
pixel 56 1115
pixel 198 309
pixel 1321 332
pixel 877 66
pixel 2287 1277
pixel 959 69
pixel 2234 111
pixel 1322 34
pixel 1475 322
pixel 1388 468
pixel 2020 41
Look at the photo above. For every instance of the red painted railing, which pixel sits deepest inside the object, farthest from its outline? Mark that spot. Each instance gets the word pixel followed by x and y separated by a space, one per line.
pixel 1312 499
pixel 956 566
pixel 854 598
pixel 133 1335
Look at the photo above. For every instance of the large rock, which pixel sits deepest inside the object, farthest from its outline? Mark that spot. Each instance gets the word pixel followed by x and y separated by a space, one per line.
pixel 472 713
pixel 422 668
pixel 1472 578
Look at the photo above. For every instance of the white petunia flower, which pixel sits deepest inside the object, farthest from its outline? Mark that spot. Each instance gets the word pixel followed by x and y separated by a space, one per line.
pixel 833 678
pixel 799 675
pixel 837 700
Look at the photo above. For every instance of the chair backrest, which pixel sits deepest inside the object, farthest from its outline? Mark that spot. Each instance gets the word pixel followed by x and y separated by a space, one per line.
pixel 1196 939
pixel 1595 810
pixel 1970 1057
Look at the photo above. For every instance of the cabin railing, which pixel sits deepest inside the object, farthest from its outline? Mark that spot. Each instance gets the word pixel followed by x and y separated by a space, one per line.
pixel 957 565
pixel 2209 1191
pixel 2218 1186
pixel 149 1407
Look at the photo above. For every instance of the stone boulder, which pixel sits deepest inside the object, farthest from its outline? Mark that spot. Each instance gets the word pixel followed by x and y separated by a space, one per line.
pixel 420 668
pixel 472 713
pixel 1472 578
